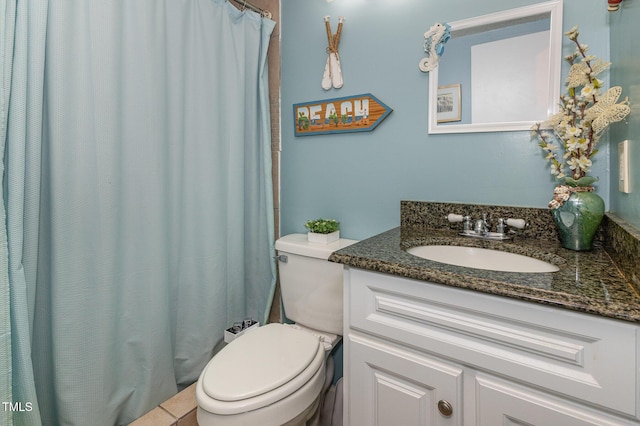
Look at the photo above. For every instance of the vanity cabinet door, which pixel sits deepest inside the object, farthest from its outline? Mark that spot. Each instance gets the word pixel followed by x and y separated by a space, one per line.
pixel 390 385
pixel 500 402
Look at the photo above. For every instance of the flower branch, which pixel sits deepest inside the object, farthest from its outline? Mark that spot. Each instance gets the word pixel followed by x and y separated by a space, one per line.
pixel 585 112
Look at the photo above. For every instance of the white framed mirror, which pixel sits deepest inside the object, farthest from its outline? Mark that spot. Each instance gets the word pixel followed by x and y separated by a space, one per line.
pixel 505 70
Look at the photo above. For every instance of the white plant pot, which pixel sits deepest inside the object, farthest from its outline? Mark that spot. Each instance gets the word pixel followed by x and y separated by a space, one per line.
pixel 313 237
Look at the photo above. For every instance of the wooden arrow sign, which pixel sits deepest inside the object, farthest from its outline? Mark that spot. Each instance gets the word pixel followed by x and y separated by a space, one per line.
pixel 360 113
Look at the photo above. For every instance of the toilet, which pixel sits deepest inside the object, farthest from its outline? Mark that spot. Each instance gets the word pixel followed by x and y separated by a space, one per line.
pixel 276 374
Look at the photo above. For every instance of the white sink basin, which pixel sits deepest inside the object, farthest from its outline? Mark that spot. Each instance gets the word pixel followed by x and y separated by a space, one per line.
pixel 479 258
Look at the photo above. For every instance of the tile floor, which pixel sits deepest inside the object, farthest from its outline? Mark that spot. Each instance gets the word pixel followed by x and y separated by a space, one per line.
pixel 180 410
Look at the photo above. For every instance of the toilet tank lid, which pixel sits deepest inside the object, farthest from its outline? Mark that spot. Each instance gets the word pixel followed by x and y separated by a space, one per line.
pixel 298 244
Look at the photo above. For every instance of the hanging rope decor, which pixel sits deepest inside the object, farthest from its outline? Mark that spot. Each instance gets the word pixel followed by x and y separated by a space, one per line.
pixel 332 76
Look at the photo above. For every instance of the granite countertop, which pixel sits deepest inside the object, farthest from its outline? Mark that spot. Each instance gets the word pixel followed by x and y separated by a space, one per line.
pixel 587 282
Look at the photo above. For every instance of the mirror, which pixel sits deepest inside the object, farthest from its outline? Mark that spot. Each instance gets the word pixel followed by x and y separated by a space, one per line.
pixel 499 72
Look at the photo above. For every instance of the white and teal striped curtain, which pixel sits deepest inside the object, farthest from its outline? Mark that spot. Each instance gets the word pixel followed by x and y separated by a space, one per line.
pixel 138 196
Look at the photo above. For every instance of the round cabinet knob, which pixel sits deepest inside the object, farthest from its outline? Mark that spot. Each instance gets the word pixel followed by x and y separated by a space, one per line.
pixel 445 408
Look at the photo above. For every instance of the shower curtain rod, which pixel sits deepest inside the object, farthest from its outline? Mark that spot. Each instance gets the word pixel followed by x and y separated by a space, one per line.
pixel 246 5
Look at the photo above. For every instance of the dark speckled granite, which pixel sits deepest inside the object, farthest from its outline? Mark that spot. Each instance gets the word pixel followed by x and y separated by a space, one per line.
pixel 588 282
pixel 623 245
pixel 433 215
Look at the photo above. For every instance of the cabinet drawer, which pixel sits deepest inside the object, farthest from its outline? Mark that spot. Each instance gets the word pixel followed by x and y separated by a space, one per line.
pixel 582 356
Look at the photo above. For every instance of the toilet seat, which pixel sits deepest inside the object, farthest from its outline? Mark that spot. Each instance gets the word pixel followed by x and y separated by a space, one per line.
pixel 260 368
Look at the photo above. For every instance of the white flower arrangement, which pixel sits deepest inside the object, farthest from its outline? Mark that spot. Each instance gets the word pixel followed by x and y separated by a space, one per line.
pixel 586 110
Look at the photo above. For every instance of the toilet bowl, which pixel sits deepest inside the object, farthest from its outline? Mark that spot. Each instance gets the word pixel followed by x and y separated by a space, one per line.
pixel 270 376
pixel 275 375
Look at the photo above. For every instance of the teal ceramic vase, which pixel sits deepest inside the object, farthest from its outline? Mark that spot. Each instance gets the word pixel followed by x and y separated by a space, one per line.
pixel 579 217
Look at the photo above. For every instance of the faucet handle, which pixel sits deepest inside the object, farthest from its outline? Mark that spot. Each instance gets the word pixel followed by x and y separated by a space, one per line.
pixel 516 223
pixel 466 220
pixel 452 218
pixel 501 228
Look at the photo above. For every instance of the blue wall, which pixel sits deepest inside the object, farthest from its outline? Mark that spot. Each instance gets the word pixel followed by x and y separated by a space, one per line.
pixel 361 178
pixel 626 73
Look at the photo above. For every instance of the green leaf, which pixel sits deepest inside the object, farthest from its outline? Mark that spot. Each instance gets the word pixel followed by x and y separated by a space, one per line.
pixel 322 226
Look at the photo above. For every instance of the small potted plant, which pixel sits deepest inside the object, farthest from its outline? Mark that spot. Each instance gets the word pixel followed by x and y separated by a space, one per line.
pixel 323 231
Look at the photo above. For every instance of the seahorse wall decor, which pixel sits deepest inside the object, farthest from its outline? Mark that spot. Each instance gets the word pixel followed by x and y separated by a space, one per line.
pixel 434 41
pixel 332 72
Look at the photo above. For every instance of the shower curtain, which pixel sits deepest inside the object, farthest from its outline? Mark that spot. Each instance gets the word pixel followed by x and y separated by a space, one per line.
pixel 138 193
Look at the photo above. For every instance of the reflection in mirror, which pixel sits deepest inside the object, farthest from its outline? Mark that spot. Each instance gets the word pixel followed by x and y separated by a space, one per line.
pixel 507 66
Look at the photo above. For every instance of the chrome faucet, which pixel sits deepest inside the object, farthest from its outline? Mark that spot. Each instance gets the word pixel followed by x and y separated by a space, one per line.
pixel 467 224
pixel 481 226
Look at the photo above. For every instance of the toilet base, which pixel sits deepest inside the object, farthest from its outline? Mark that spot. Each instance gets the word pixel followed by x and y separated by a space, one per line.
pixel 308 417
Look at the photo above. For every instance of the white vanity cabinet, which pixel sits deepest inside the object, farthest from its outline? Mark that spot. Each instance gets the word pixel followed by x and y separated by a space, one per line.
pixel 418 353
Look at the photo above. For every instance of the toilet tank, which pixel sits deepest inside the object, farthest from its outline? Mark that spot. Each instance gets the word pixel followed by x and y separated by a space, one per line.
pixel 310 285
